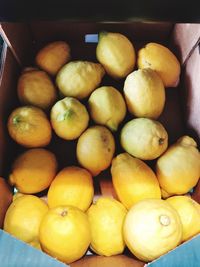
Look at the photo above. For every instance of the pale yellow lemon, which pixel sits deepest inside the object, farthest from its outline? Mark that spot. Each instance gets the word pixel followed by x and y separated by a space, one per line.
pixel 144 93
pixel 178 169
pixel 144 138
pixel 116 53
pixel 107 107
pixel 151 228
pixel 79 78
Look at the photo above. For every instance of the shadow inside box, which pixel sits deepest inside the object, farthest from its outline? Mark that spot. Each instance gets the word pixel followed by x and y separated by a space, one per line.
pixel 121 260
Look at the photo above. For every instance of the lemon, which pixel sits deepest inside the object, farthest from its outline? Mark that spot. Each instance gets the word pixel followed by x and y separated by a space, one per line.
pixel 29 127
pixel 95 149
pixel 162 60
pixel 189 212
pixel 178 169
pixel 53 56
pixel 65 233
pixel 33 170
pixel 24 216
pixel 69 118
pixel 144 93
pixel 35 88
pixel 107 107
pixel 116 53
pixel 106 217
pixel 144 138
pixel 79 78
pixel 71 186
pixel 133 180
pixel 151 228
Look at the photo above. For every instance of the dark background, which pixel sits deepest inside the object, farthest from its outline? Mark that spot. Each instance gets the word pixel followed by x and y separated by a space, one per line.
pixel 101 10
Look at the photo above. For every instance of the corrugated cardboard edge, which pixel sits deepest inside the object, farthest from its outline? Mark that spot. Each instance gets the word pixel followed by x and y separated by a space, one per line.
pixel 15 252
pixel 178 251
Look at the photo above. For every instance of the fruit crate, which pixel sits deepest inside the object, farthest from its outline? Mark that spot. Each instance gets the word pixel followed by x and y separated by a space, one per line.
pixel 180 115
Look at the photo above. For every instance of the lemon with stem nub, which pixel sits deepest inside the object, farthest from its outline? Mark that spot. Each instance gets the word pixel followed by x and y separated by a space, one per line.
pixel 144 138
pixel 151 228
pixel 69 118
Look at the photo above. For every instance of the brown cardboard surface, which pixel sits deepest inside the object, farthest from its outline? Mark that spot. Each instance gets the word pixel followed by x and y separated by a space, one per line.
pixel 5 199
pixel 8 100
pixel 17 35
pixel 76 30
pixel 113 261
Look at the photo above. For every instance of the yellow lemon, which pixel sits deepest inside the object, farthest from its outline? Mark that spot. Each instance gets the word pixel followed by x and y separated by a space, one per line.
pixel 144 138
pixel 33 171
pixel 152 227
pixel 65 233
pixel 79 78
pixel 107 107
pixel 24 216
pixel 95 149
pixel 178 169
pixel 159 58
pixel 53 56
pixel 69 118
pixel 189 212
pixel 72 186
pixel 29 127
pixel 106 217
pixel 116 53
pixel 36 88
pixel 144 93
pixel 133 180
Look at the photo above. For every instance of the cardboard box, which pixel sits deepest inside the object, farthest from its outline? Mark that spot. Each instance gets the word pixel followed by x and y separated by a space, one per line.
pixel 180 116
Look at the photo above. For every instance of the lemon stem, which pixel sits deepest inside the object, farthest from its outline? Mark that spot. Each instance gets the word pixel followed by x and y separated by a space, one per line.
pixel 66 115
pixel 64 213
pixel 164 220
pixel 16 120
pixel 112 126
pixel 161 141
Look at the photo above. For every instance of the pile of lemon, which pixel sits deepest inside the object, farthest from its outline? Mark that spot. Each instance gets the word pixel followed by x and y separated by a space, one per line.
pixel 153 212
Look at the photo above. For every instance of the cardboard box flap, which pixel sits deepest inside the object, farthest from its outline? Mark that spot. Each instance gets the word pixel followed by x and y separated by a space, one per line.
pixel 16 253
pixel 185 38
pixel 185 255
